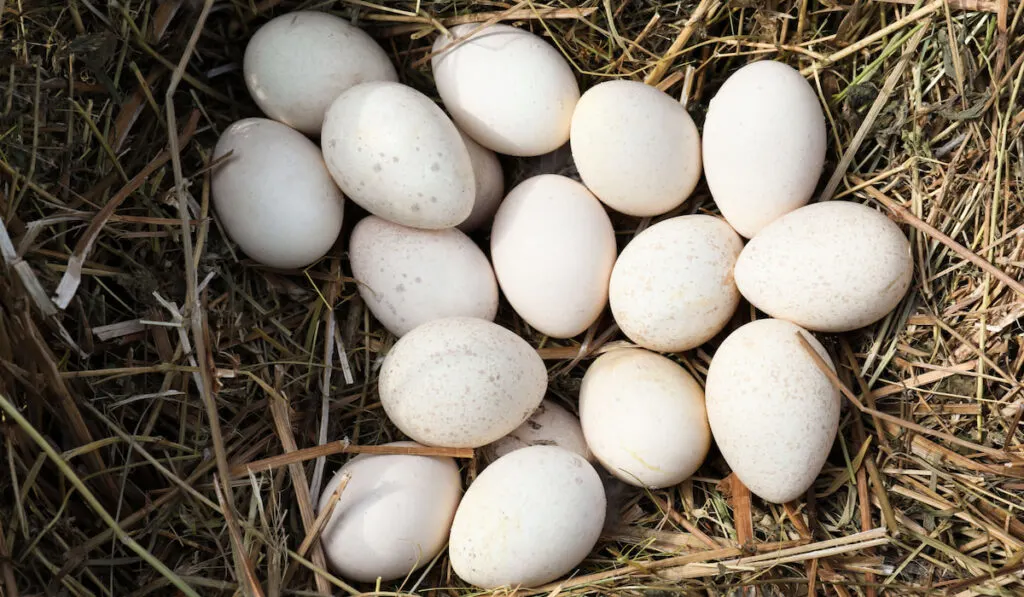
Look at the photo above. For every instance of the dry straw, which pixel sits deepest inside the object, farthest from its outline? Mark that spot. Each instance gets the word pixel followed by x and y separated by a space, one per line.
pixel 170 408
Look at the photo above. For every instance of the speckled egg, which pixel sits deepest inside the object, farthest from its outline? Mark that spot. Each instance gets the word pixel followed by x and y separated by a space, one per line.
pixel 643 417
pixel 490 185
pixel 507 88
pixel 408 276
pixel 299 62
pixel 549 425
pixel 392 517
pixel 829 267
pixel 635 147
pixel 528 518
pixel 273 195
pixel 553 247
pixel 672 287
pixel 461 382
pixel 773 413
pixel 764 144
pixel 396 154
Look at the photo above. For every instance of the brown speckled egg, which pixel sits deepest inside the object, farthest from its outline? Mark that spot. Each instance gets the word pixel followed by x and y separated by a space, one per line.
pixel 409 276
pixel 461 382
pixel 773 413
pixel 672 287
pixel 549 425
pixel 829 267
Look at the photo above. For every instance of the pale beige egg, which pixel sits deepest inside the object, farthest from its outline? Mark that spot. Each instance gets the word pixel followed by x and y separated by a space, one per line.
pixel 549 425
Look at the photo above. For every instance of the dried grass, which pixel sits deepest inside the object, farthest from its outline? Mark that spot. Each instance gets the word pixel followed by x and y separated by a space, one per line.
pixel 166 362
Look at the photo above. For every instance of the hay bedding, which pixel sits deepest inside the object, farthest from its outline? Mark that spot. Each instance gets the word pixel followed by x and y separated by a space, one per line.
pixel 120 473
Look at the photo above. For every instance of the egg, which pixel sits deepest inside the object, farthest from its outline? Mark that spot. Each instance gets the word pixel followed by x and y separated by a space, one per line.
pixel 392 517
pixel 643 416
pixel 773 413
pixel 460 382
pixel 529 518
pixel 672 287
pixel 273 195
pixel 829 267
pixel 507 88
pixel 549 425
pixel 635 147
pixel 553 247
pixel 297 63
pixel 764 145
pixel 490 185
pixel 396 154
pixel 408 276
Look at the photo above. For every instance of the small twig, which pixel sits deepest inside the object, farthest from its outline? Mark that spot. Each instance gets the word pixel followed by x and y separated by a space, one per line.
pixel 91 499
pixel 931 231
pixel 343 447
pixel 5 564
pixel 313 534
pixel 739 498
pixel 673 52
pixel 968 5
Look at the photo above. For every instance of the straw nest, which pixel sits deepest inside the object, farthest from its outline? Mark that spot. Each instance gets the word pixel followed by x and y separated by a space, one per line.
pixel 144 361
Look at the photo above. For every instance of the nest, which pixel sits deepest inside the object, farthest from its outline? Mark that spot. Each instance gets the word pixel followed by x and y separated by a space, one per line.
pixel 145 362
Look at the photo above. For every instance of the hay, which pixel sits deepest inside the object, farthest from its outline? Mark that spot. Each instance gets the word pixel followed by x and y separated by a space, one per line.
pixel 167 361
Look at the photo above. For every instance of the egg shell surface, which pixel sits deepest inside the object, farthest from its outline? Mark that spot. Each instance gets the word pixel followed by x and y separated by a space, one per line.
pixel 490 185
pixel 636 148
pixel 672 288
pixel 643 416
pixel 829 267
pixel 408 276
pixel 549 425
pixel 507 88
pixel 298 63
pixel 528 519
pixel 461 382
pixel 392 517
pixel 273 195
pixel 396 154
pixel 773 413
pixel 764 144
pixel 553 247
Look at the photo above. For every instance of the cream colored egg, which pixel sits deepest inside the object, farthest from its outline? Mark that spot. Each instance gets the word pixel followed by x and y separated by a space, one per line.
pixel 274 196
pixel 829 267
pixel 643 417
pixel 408 276
pixel 396 154
pixel 507 88
pixel 528 519
pixel 635 147
pixel 553 247
pixel 672 287
pixel 549 425
pixel 764 145
pixel 392 517
pixel 297 63
pixel 773 413
pixel 461 382
pixel 490 185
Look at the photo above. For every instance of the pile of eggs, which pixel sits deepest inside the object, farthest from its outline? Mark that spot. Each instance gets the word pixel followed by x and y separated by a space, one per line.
pixel 428 176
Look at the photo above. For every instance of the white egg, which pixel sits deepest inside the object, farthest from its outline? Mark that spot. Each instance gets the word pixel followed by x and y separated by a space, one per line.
pixel 297 63
pixel 635 147
pixel 773 413
pixel 764 145
pixel 392 517
pixel 643 417
pixel 490 185
pixel 529 518
pixel 408 276
pixel 273 195
pixel 830 267
pixel 461 382
pixel 549 425
pixel 672 287
pixel 507 88
pixel 396 154
pixel 553 248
